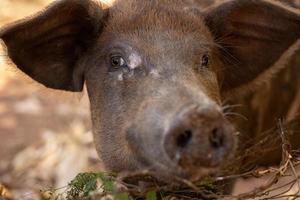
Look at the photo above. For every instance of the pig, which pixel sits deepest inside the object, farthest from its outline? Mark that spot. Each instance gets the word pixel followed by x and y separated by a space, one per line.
pixel 159 74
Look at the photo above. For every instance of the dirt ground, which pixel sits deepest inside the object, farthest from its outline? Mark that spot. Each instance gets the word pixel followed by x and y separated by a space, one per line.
pixel 37 123
pixel 26 108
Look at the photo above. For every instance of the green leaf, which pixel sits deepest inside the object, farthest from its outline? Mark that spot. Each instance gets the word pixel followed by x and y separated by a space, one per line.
pixel 123 196
pixel 89 187
pixel 109 186
pixel 151 195
pixel 81 185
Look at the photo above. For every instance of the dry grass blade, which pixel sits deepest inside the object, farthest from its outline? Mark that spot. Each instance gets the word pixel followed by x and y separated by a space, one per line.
pixel 287 162
pixel 138 184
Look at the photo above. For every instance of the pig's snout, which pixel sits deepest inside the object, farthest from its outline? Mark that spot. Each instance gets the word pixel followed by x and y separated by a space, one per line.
pixel 199 137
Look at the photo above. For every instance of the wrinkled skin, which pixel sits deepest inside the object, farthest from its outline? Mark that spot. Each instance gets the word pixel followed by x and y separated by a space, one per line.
pixel 159 74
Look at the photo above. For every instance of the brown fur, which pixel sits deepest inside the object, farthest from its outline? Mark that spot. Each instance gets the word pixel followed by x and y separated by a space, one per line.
pixel 164 42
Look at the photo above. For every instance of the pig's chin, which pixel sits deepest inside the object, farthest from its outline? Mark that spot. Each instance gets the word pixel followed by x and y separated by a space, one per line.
pixel 192 175
pixel 178 175
pixel 174 174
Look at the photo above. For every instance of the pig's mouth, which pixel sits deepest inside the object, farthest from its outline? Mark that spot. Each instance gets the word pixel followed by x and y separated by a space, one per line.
pixel 188 163
pixel 173 172
pixel 194 169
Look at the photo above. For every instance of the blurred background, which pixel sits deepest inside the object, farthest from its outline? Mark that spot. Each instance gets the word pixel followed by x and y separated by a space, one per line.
pixel 45 137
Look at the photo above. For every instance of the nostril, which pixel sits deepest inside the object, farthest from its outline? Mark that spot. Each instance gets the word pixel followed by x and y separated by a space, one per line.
pixel 184 138
pixel 216 138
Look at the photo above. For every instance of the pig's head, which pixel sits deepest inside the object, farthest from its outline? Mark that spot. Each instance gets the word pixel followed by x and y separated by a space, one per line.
pixel 156 72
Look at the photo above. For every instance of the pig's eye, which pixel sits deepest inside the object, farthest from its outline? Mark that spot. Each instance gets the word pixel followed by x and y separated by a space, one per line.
pixel 117 62
pixel 205 61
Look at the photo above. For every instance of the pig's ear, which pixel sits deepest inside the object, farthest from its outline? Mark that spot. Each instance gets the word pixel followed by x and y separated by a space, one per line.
pixel 47 46
pixel 252 36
